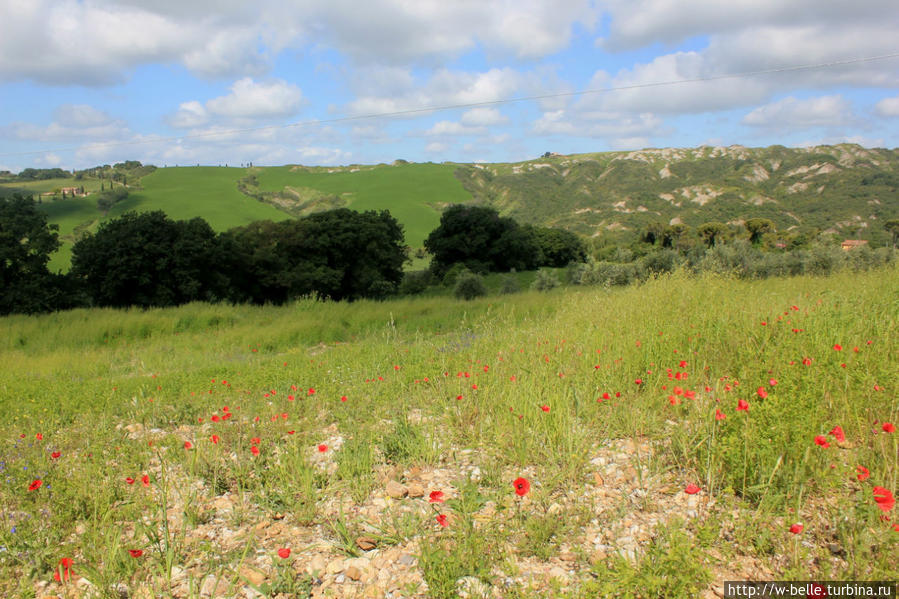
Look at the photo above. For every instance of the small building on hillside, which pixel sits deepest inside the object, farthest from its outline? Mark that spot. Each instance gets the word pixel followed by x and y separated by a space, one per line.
pixel 853 243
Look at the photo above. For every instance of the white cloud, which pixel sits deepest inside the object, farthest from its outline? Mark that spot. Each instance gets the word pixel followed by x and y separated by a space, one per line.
pixel 597 124
pixel 791 113
pixel 388 90
pixel 453 128
pixel 190 114
pixel 71 121
pixel 251 100
pixel 483 117
pixel 248 101
pixel 888 107
pixel 640 23
pixel 436 147
pixel 99 42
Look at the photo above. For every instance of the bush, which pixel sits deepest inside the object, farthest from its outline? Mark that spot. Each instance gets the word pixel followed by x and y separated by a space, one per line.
pixel 469 286
pixel 509 284
pixel 546 280
pixel 415 282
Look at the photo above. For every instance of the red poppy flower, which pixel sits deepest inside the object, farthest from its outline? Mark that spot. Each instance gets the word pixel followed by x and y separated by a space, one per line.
pixel 545 408
pixel 761 393
pixel 719 415
pixel 39 436
pixel 214 439
pixel 863 473
pixel 796 529
pixel 323 448
pixel 343 398
pixel 884 499
pixel 215 418
pixel 55 454
pixel 838 347
pixel 129 480
pixel 742 405
pixel 838 433
pixel 888 427
pixel 66 564
pixel 255 440
pixel 146 480
pixel 435 497
pixel 135 552
pixel 441 520
pixel 311 391
pixel 822 441
pixel 188 445
pixel 522 486
pixel 806 361
pixel 254 450
pixel 284 552
pixel 691 489
pixel 35 484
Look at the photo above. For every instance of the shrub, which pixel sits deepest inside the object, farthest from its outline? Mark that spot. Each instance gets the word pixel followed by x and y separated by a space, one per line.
pixel 469 286
pixel 546 280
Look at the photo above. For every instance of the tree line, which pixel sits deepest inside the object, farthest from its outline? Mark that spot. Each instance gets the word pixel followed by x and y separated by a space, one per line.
pixel 147 259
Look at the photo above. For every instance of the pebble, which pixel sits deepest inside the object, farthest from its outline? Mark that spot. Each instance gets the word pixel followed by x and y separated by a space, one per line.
pixel 396 490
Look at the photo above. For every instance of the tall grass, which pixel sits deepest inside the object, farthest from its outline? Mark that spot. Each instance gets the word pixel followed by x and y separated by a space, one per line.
pixel 518 380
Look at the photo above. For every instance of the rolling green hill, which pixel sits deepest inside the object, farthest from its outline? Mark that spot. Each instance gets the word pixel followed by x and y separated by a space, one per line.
pixel 844 188
pixel 414 193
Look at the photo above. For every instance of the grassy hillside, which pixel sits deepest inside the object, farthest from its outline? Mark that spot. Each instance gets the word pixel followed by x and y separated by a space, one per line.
pixel 414 193
pixel 205 191
pixel 710 430
pixel 845 188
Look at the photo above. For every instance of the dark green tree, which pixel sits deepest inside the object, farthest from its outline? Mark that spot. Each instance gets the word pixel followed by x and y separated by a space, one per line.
pixel 892 227
pixel 147 260
pixel 757 228
pixel 482 240
pixel 559 247
pixel 713 233
pixel 340 254
pixel 26 243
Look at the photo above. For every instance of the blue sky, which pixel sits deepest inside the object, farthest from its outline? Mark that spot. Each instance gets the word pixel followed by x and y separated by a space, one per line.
pixel 87 82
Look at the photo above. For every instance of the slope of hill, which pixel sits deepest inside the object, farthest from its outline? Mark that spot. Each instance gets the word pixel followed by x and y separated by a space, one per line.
pixel 845 188
pixel 413 193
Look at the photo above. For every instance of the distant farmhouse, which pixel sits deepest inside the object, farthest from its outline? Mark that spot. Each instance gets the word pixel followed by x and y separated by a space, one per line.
pixel 67 191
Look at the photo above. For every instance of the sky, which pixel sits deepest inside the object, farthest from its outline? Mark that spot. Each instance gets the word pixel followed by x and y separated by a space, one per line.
pixel 337 82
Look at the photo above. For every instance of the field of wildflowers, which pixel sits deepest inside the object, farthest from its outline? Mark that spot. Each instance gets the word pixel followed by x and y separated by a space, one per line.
pixel 650 441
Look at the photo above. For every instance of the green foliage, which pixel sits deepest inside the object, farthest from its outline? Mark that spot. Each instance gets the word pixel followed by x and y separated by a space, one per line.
pixel 339 254
pixel 26 242
pixel 672 567
pixel 559 247
pixel 148 260
pixel 546 280
pixel 469 286
pixel 481 240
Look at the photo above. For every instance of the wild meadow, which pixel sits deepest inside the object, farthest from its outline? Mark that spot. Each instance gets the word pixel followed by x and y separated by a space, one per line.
pixel 648 441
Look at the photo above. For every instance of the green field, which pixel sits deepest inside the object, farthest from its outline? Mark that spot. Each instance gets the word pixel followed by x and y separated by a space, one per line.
pixel 621 408
pixel 413 193
pixel 205 191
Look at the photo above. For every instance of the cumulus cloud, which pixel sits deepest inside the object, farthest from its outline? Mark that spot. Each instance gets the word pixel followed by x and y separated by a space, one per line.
pixel 99 42
pixel 391 89
pixel 248 101
pixel 791 113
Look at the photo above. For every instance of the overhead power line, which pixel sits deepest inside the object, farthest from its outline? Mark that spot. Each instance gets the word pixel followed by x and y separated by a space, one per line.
pixel 444 107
